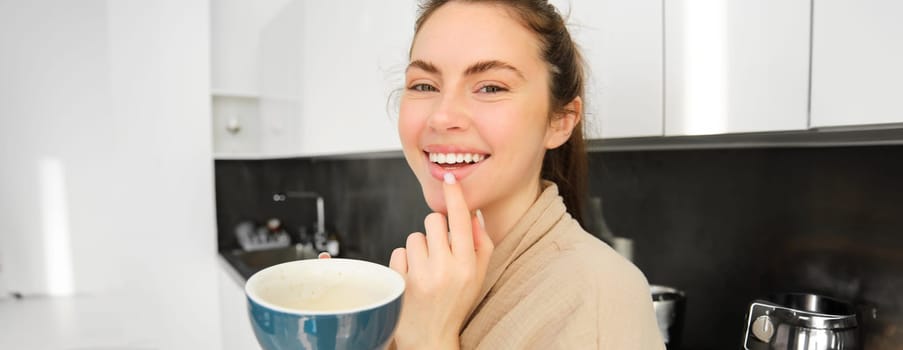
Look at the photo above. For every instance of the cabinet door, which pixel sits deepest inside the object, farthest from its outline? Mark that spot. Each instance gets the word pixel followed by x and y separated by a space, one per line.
pixel 235 28
pixel 621 43
pixel 281 57
pixel 236 326
pixel 857 50
pixel 354 57
pixel 734 66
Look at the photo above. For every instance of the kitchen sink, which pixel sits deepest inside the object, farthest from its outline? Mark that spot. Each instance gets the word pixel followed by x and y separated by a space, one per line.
pixel 247 263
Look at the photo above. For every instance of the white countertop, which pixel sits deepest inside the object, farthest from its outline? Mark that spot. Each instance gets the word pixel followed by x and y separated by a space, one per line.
pixel 173 307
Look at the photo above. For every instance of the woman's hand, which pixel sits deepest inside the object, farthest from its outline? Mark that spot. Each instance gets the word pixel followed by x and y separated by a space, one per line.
pixel 444 271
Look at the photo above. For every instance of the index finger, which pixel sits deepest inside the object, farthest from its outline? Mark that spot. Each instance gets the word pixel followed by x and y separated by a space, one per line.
pixel 459 222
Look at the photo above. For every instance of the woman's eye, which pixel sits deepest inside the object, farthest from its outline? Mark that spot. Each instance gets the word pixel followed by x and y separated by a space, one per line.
pixel 424 88
pixel 492 89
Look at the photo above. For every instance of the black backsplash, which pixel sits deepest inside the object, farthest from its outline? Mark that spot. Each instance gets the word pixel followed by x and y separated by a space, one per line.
pixel 725 226
pixel 372 204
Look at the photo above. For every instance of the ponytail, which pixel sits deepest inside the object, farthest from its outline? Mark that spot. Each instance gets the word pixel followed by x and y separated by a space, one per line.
pixel 566 166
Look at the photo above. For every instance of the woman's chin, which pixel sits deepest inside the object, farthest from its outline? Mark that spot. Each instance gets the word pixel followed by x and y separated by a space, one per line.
pixel 435 200
pixel 434 194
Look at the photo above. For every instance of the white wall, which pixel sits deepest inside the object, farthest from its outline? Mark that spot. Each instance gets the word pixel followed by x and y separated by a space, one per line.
pixel 55 135
pixel 106 187
pixel 107 176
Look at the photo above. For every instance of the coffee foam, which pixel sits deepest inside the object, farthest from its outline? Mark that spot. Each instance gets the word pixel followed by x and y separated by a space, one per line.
pixel 333 287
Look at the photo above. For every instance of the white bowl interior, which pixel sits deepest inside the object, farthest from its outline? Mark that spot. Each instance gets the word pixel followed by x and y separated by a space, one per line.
pixel 324 286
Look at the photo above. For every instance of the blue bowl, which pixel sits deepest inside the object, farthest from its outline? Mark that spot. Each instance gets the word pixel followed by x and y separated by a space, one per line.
pixel 324 304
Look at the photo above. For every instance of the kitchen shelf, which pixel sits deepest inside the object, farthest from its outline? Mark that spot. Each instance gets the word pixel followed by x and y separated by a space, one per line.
pixel 234 94
pixel 867 135
pixel 255 156
pixel 381 154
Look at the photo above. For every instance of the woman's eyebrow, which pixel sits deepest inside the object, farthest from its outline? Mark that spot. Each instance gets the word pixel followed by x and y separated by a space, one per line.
pixel 484 66
pixel 476 68
pixel 423 65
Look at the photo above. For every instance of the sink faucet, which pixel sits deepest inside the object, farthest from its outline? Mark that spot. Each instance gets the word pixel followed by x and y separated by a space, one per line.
pixel 320 233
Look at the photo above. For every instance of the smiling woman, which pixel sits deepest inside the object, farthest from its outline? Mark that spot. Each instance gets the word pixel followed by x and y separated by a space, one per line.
pixel 491 125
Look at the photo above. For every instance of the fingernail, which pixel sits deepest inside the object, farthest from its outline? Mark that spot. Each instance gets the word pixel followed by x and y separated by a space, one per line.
pixel 480 219
pixel 449 178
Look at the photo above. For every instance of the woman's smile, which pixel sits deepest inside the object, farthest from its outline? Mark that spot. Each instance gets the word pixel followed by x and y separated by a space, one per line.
pixel 460 161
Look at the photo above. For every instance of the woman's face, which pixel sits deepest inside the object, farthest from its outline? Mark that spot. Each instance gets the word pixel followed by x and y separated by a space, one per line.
pixel 475 104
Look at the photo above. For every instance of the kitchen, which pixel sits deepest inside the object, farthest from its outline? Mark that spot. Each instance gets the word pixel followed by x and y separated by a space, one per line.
pixel 743 148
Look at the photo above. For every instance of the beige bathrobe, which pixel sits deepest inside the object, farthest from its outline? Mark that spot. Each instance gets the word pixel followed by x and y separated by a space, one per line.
pixel 552 285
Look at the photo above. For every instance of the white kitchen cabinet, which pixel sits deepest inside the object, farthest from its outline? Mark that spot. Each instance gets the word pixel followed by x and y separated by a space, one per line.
pixel 327 73
pixel 354 57
pixel 857 51
pixel 279 104
pixel 236 44
pixel 736 66
pixel 236 326
pixel 621 42
pixel 235 28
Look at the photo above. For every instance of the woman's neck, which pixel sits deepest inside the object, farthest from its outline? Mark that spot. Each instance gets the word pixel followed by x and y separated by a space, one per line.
pixel 501 216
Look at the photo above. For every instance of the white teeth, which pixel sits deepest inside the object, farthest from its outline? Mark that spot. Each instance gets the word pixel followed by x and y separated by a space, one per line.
pixel 453 158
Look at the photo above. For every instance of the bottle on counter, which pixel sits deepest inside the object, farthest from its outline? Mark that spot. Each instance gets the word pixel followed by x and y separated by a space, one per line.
pixel 333 244
pixel 271 235
pixel 320 239
pixel 274 231
pixel 305 243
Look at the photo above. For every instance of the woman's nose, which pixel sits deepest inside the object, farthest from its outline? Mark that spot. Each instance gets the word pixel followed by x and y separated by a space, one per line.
pixel 450 114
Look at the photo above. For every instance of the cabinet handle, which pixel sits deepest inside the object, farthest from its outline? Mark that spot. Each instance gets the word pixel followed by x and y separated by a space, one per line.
pixel 232 126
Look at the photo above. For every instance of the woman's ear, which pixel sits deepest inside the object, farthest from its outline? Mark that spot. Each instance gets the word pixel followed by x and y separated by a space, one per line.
pixel 563 123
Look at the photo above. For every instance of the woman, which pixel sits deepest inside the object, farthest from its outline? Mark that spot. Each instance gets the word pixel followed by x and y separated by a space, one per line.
pixel 491 125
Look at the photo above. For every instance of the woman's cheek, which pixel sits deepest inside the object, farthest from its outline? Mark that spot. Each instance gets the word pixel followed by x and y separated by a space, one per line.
pixel 410 126
pixel 406 128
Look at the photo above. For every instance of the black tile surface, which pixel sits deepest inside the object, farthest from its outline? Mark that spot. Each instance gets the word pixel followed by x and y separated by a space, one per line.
pixel 371 204
pixel 726 226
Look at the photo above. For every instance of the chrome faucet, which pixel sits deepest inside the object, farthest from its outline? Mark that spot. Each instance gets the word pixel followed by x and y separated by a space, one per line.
pixel 320 232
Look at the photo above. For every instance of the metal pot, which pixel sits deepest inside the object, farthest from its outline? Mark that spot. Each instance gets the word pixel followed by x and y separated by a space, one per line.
pixel 669 305
pixel 797 321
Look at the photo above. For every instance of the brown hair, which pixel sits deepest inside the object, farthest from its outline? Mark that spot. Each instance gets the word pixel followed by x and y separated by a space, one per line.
pixel 566 165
